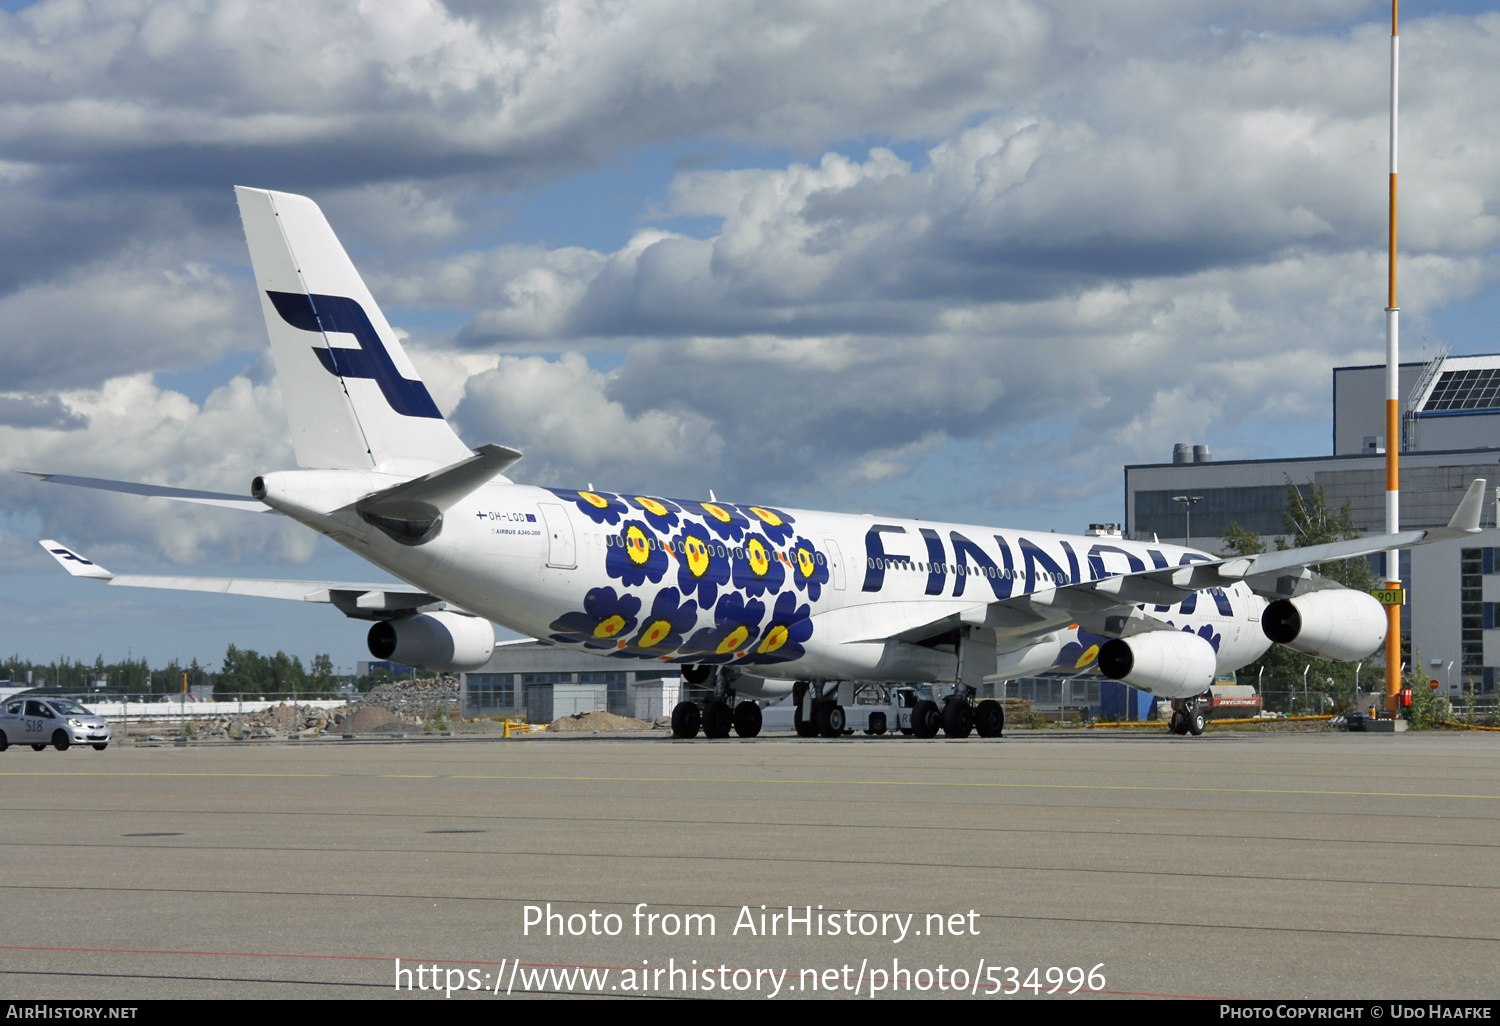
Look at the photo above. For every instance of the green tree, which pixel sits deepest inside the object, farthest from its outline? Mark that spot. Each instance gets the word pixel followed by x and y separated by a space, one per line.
pixel 1307 520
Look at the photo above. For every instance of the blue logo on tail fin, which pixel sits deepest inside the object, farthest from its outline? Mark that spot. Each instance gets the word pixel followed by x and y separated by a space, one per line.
pixel 338 313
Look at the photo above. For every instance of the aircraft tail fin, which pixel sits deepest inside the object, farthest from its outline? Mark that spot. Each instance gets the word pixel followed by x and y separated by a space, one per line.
pixel 353 399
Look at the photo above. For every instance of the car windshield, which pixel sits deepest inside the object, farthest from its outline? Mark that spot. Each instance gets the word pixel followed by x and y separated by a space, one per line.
pixel 68 707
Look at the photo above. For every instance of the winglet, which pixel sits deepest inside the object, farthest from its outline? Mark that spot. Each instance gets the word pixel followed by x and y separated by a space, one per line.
pixel 75 564
pixel 1466 518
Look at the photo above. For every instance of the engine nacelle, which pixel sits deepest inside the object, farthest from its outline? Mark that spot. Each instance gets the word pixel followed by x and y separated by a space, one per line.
pixel 445 642
pixel 1168 664
pixel 1335 624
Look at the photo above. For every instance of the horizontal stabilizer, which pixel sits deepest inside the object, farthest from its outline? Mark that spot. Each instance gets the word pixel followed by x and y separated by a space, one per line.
pixel 431 494
pixel 240 502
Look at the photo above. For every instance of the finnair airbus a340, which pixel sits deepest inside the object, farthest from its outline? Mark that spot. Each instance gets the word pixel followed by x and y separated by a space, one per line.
pixel 756 599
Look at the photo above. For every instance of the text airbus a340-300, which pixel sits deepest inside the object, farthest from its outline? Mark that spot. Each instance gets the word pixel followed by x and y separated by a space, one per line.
pixel 751 601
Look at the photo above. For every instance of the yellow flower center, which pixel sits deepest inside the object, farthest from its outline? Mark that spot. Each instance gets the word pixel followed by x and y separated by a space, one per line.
pixel 735 639
pixel 716 512
pixel 595 500
pixel 1087 657
pixel 697 557
pixel 759 561
pixel 805 562
pixel 659 629
pixel 766 515
pixel 635 546
pixel 775 638
pixel 652 506
pixel 610 626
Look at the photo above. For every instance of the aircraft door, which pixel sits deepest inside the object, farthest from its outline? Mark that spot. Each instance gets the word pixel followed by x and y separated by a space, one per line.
pixel 835 564
pixel 561 551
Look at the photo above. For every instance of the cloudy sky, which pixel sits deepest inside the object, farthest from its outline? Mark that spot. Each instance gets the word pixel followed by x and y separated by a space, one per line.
pixel 959 259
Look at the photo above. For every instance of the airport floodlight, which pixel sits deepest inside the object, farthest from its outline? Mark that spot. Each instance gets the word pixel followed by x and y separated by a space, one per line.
pixel 1187 502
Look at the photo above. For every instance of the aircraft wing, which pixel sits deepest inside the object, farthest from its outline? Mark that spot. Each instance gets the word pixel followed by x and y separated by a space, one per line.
pixel 240 502
pixel 1109 606
pixel 361 601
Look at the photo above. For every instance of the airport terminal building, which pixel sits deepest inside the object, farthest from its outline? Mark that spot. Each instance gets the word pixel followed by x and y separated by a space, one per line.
pixel 1450 435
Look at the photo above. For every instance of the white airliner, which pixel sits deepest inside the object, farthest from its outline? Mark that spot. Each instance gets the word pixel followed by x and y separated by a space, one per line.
pixel 756 600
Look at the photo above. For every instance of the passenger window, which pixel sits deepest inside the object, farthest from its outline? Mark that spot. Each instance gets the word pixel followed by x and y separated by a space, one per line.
pixel 14 709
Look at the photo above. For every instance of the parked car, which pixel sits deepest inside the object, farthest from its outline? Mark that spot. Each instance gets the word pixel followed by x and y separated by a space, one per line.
pixel 60 722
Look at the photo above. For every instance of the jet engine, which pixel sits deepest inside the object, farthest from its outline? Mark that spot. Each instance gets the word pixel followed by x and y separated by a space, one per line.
pixel 1334 624
pixel 445 642
pixel 1168 664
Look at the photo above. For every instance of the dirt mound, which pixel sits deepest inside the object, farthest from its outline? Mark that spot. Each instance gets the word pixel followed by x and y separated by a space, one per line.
pixel 371 717
pixel 597 719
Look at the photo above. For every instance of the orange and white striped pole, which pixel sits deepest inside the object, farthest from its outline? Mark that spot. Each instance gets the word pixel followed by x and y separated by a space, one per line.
pixel 1392 408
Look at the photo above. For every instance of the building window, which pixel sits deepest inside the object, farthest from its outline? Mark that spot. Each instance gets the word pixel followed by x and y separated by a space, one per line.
pixel 546 678
pixel 492 691
pixel 1471 609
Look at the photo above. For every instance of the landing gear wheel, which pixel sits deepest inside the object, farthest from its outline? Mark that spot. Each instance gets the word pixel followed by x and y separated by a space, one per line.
pixel 1178 723
pixel 98 748
pixel 958 718
pixel 718 721
pixel 804 728
pixel 747 719
pixel 686 719
pixel 926 719
pixel 989 718
pixel 829 718
pixel 877 724
pixel 1196 722
pixel 60 740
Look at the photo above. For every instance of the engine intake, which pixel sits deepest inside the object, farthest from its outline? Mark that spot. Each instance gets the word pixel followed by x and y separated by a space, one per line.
pixel 1335 624
pixel 445 642
pixel 1168 664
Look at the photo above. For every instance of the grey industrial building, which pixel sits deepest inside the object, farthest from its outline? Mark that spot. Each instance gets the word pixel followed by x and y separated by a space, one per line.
pixel 543 682
pixel 1450 429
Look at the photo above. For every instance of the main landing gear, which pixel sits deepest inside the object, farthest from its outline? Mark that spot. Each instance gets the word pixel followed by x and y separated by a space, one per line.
pixel 1189 715
pixel 719 714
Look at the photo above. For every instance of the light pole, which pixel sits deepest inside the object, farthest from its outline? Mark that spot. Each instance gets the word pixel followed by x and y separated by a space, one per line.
pixel 1187 501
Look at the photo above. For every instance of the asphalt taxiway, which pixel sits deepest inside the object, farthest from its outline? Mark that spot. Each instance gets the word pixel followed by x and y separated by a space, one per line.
pixel 1227 866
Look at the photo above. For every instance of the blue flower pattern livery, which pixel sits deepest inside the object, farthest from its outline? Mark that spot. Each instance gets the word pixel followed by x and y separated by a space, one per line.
pixel 735 564
pixel 662 630
pixel 605 618
pixel 809 569
pixel 757 567
pixel 635 555
pixel 601 507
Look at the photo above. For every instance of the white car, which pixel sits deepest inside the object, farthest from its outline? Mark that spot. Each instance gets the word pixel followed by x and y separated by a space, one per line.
pixel 60 722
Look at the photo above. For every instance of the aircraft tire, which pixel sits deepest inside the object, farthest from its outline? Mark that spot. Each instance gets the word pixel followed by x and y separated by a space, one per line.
pixel 829 718
pixel 958 718
pixel 747 719
pixel 1196 722
pixel 877 725
pixel 926 719
pixel 804 728
pixel 989 718
pixel 686 719
pixel 718 721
